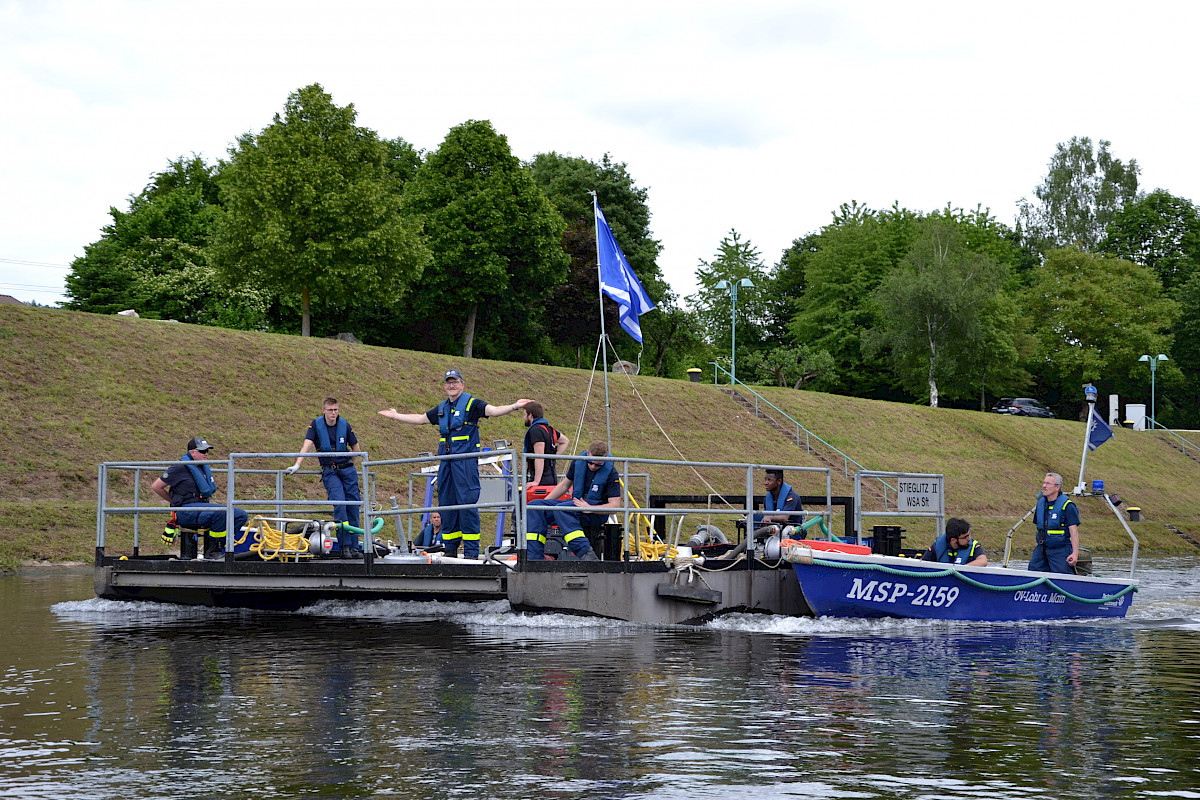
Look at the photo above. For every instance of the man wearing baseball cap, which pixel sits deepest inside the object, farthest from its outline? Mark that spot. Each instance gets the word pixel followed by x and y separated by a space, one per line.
pixel 457 418
pixel 191 486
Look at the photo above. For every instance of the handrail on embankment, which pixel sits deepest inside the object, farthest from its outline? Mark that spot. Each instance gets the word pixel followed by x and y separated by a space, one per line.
pixel 808 435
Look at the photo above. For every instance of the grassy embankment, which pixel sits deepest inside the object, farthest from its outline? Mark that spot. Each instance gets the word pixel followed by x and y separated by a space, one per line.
pixel 81 389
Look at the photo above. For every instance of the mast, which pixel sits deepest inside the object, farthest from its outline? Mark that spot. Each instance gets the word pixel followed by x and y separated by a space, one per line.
pixel 603 334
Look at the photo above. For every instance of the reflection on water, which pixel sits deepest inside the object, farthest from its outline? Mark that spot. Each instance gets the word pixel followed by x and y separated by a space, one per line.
pixel 105 699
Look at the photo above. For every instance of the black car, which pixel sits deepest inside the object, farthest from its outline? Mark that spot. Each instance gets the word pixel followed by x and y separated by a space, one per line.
pixel 1002 405
pixel 1028 407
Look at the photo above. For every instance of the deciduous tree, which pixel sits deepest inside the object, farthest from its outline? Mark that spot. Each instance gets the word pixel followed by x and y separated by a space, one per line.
pixel 1082 192
pixel 312 206
pixel 496 240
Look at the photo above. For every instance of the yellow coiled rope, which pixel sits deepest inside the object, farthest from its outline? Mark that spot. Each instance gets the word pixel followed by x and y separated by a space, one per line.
pixel 643 540
pixel 270 542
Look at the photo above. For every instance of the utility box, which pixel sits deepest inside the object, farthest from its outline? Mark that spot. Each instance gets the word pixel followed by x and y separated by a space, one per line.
pixel 1135 514
pixel 1135 416
pixel 694 374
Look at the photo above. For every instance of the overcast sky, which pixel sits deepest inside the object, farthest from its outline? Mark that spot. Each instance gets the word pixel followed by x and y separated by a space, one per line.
pixel 763 117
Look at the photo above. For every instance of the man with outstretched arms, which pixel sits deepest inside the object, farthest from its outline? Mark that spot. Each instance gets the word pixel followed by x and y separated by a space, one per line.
pixel 1057 521
pixel 956 546
pixel 596 488
pixel 331 433
pixel 541 438
pixel 190 487
pixel 457 418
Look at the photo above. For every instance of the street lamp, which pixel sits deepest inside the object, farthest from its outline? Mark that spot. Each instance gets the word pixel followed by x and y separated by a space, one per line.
pixel 1153 364
pixel 733 287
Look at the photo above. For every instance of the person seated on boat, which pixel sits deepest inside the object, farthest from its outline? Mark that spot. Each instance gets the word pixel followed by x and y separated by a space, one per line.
pixel 1057 521
pixel 431 534
pixel 956 546
pixel 596 487
pixel 780 498
pixel 191 486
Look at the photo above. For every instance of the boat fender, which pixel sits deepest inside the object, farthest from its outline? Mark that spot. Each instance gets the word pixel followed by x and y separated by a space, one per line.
pixel 798 554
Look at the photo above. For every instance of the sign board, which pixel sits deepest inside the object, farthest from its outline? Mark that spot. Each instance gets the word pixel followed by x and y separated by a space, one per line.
pixel 923 494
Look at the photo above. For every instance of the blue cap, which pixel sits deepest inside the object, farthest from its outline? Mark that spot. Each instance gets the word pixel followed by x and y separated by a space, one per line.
pixel 452 373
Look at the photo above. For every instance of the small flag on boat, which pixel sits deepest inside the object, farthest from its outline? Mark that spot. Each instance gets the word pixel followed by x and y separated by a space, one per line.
pixel 1099 432
pixel 617 279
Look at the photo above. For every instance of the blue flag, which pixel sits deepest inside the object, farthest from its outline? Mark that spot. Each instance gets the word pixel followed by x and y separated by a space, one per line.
pixel 1099 432
pixel 617 279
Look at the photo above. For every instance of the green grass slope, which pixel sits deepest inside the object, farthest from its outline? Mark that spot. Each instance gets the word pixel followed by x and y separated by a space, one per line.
pixel 81 389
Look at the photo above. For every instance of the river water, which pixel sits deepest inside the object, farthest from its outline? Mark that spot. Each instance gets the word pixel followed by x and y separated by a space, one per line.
pixel 103 699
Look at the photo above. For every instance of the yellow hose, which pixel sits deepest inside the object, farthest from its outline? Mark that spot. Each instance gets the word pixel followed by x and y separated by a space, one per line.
pixel 645 543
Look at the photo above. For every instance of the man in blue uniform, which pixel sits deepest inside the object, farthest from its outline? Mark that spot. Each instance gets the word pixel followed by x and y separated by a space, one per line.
pixel 956 546
pixel 1057 521
pixel 191 486
pixel 431 534
pixel 541 438
pixel 596 488
pixel 457 418
pixel 331 433
pixel 780 498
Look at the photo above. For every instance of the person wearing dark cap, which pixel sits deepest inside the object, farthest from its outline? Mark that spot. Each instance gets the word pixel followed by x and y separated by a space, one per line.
pixel 779 500
pixel 331 433
pixel 956 546
pixel 190 487
pixel 457 418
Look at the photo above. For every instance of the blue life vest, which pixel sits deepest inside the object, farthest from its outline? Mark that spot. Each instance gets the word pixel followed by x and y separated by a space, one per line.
pixel 1050 519
pixel 459 435
pixel 771 504
pixel 202 475
pixel 592 493
pixel 326 446
pixel 943 553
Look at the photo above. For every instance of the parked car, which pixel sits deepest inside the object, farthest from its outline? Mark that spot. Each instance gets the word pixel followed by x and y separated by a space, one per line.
pixel 1028 407
pixel 1002 405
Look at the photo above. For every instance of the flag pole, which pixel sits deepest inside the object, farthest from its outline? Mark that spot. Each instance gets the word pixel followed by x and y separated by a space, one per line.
pixel 603 334
pixel 1087 433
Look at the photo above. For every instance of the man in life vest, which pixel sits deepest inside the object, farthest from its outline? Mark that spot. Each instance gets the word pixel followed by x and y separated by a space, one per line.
pixel 596 487
pixel 331 433
pixel 956 546
pixel 457 418
pixel 541 439
pixel 190 487
pixel 780 498
pixel 1057 521
pixel 431 534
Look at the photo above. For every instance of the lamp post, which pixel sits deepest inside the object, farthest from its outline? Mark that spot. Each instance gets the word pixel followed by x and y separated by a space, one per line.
pixel 1153 365
pixel 732 286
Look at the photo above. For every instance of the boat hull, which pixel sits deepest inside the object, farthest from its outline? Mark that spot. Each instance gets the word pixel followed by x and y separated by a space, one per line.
pixel 652 592
pixel 839 585
pixel 289 586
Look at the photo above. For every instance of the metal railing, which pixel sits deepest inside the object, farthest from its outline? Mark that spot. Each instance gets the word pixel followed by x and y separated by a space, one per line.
pixel 1183 443
pixel 808 435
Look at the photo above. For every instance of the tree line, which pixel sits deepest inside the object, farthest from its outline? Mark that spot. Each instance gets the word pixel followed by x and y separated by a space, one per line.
pixel 316 225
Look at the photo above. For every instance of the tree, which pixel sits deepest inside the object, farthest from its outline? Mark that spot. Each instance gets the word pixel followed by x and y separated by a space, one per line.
pixel 1082 192
pixel 1160 231
pixel 496 239
pixel 1183 399
pixel 179 204
pixel 933 304
pixel 571 308
pixel 841 267
pixel 312 206
pixel 791 366
pixel 1094 316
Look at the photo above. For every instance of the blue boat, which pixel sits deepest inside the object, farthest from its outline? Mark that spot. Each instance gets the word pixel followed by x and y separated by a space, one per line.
pixel 839 584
